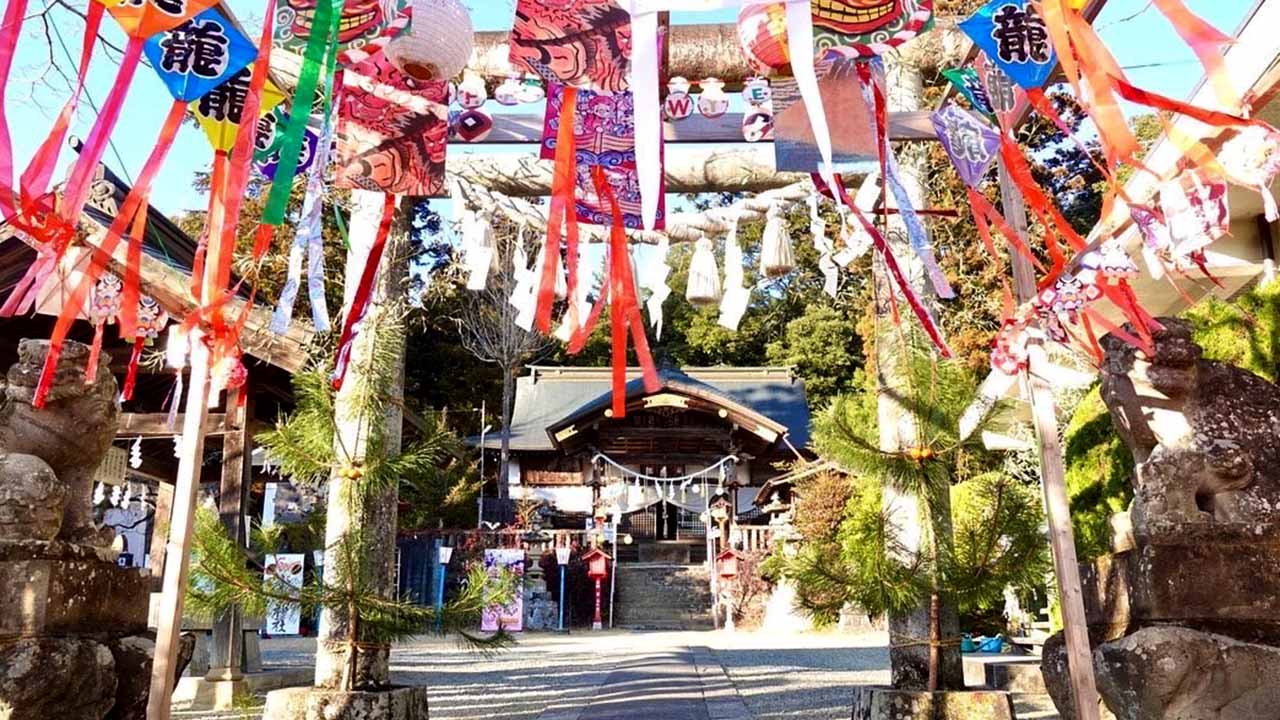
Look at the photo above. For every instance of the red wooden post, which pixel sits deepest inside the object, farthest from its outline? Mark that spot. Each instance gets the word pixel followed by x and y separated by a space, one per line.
pixel 597 622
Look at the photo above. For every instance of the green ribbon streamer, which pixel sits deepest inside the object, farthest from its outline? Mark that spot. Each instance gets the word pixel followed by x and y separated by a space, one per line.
pixel 342 228
pixel 321 47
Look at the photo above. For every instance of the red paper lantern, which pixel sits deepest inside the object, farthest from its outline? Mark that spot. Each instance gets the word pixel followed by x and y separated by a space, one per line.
pixel 762 30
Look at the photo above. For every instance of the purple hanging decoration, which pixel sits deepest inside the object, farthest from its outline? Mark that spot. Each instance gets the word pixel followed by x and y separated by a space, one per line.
pixel 970 142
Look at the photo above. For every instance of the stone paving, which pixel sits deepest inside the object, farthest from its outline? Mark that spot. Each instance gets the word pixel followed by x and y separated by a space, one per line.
pixel 622 675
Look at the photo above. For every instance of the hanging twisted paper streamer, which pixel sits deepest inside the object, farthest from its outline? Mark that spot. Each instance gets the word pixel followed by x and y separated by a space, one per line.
pixel 308 240
pixel 825 248
pixel 871 77
pixel 375 212
pixel 838 192
pixel 655 281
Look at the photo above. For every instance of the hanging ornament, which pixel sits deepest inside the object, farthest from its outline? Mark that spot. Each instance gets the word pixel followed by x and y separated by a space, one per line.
pixel 115 495
pixel 1014 36
pixel 1009 348
pixel 509 92
pixel 757 93
pixel 149 322
pixel 479 249
pixel 437 44
pixel 704 276
pixel 142 495
pixel 757 124
pixel 135 453
pixel 127 497
pixel 1195 210
pixel 531 91
pixel 99 493
pixel 712 102
pixel 1252 159
pixel 678 104
pixel 104 305
pixel 471 126
pixel 776 255
pixel 472 92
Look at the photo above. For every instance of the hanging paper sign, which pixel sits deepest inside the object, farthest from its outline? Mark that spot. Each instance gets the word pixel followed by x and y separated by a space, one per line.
pixel 1015 37
pixel 220 110
pixel 582 43
pixel 853 144
pixel 970 142
pixel 145 18
pixel 270 139
pixel 198 55
pixel 1004 96
pixel 392 131
pixel 362 22
pixel 967 83
pixel 865 28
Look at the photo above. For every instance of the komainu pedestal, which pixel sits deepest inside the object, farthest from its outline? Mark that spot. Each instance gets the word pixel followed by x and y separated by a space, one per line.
pixel 73 625
pixel 1185 622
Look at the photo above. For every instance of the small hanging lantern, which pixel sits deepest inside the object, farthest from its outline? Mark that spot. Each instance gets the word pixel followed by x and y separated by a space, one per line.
pixel 756 92
pixel 776 254
pixel 472 92
pixel 531 91
pixel 678 104
pixel 437 44
pixel 508 93
pixel 704 276
pixel 713 102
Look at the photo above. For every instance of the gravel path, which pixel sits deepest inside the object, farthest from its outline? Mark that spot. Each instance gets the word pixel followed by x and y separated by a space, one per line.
pixel 779 677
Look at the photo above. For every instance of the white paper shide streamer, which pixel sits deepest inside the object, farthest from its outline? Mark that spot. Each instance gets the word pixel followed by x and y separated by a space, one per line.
pixel 736 295
pixel 655 281
pixel 825 248
pixel 479 249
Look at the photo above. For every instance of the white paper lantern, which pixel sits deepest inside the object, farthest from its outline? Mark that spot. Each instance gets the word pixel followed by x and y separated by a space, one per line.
pixel 437 44
pixel 704 276
pixel 776 255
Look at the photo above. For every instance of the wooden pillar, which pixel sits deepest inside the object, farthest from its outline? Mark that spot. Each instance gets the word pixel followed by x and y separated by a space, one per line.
pixel 1052 477
pixel 226 650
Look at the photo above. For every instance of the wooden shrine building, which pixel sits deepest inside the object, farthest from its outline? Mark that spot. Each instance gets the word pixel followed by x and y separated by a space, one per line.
pixel 706 434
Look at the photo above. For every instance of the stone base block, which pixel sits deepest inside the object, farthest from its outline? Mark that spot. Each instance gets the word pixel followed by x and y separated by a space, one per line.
pixel 64 678
pixel 1230 589
pixel 67 589
pixel 197 693
pixel 310 703
pixel 878 703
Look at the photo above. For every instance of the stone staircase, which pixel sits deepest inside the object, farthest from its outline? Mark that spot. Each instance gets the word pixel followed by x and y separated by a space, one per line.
pixel 663 596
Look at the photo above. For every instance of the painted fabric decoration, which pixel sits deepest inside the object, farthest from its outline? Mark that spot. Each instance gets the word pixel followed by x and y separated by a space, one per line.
pixel 604 135
pixel 361 22
pixel 1003 94
pixel 865 28
pixel 1014 37
pixel 198 55
pixel 392 131
pixel 221 110
pixel 582 43
pixel 270 137
pixel 968 84
pixel 144 18
pixel 970 142
pixel 853 145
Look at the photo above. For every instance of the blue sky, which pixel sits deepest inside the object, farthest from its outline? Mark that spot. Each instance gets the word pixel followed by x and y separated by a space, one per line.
pixel 1136 33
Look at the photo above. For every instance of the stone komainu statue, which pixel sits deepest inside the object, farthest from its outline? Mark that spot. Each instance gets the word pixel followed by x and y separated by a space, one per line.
pixel 48 456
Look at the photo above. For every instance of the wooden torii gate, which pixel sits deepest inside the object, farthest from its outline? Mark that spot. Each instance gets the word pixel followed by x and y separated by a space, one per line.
pixel 699 51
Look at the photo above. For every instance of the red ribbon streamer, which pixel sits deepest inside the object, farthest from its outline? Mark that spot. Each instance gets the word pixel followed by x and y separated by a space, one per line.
pixel 35 179
pixel 926 320
pixel 131 375
pixel 135 202
pixel 77 189
pixel 9 34
pixel 128 315
pixel 360 302
pixel 1207 43
pixel 562 213
pixel 624 308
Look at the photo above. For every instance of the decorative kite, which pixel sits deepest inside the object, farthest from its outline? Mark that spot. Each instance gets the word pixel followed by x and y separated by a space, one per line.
pixel 221 110
pixel 969 141
pixel 200 54
pixel 1014 37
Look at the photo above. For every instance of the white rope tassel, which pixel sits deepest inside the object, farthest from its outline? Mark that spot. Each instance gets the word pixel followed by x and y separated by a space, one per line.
pixel 776 254
pixel 704 276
